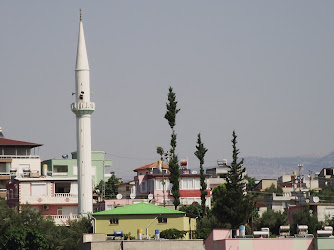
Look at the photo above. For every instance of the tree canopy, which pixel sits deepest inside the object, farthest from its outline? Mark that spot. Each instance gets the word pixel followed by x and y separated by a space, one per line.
pixel 230 204
pixel 30 230
pixel 173 163
pixel 200 153
pixel 109 187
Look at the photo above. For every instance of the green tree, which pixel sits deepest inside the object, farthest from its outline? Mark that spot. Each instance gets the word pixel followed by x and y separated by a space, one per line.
pixel 192 210
pixel 306 217
pixel 272 189
pixel 231 205
pixel 161 152
pixel 109 187
pixel 273 220
pixel 172 233
pixel 200 153
pixel 250 183
pixel 327 195
pixel 174 168
pixel 205 225
pixel 30 230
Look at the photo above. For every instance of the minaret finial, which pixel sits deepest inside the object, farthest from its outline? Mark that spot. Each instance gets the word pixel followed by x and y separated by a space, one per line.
pixel 80 15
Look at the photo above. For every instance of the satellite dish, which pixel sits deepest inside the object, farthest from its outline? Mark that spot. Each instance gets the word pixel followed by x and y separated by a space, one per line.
pixel 132 196
pixel 119 196
pixel 150 196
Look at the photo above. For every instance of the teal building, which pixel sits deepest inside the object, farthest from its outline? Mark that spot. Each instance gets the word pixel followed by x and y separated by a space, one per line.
pixel 68 168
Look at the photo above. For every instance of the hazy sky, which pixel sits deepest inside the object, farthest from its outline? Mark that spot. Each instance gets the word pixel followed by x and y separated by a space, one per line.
pixel 263 68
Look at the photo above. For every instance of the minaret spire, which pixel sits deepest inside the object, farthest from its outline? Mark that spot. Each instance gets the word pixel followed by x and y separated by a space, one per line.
pixel 83 108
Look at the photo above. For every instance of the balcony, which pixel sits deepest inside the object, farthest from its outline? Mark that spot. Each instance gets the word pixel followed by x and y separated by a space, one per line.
pixel 19 156
pixel 65 195
pixel 63 219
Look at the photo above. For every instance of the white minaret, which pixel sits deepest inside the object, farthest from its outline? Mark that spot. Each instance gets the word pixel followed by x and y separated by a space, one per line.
pixel 83 108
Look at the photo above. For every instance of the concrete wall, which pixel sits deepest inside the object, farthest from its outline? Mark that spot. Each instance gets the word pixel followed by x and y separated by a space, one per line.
pixel 34 165
pixel 264 244
pixel 144 245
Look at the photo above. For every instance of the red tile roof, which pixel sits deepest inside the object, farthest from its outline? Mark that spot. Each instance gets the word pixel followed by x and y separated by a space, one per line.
pixel 193 193
pixel 152 165
pixel 8 142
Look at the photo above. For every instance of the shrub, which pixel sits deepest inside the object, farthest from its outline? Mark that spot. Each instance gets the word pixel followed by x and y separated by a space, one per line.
pixel 172 233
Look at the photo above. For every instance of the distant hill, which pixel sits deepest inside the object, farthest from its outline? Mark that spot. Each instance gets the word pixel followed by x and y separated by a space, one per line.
pixel 262 168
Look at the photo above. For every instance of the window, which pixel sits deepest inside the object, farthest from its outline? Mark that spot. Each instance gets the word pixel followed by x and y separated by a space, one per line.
pixel 197 183
pixel 38 189
pixel 187 183
pixel 3 167
pixel 127 189
pixel 151 185
pixel 113 221
pixel 63 187
pixel 60 170
pixel 158 184
pixel 59 210
pixel 143 187
pixel 162 220
pixel 168 185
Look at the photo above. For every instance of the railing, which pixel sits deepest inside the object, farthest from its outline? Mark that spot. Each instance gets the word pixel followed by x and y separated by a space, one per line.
pixel 63 219
pixel 72 217
pixel 61 195
pixel 59 173
pixel 19 156
pixel 4 174
pixel 83 106
pixel 3 190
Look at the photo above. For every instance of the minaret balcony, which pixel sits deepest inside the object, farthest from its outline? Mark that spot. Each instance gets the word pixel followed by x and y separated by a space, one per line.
pixel 81 108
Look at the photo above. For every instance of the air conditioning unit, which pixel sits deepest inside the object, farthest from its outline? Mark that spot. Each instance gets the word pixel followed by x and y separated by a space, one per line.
pixel 45 207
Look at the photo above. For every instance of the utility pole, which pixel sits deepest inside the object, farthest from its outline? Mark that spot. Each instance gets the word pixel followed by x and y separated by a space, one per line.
pixel 310 178
pixel 300 177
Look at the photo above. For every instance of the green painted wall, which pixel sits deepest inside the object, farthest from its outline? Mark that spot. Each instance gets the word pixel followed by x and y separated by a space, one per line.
pixel 323 243
pixel 98 162
pixel 130 223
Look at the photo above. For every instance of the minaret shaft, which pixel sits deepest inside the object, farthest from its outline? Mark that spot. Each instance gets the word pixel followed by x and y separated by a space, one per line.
pixel 83 109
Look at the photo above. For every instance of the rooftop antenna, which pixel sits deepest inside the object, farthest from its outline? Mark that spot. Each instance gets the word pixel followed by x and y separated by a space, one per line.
pixel 80 15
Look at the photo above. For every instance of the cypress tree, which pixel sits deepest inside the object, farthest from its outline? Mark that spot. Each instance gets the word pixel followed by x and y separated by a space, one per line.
pixel 231 206
pixel 200 153
pixel 174 168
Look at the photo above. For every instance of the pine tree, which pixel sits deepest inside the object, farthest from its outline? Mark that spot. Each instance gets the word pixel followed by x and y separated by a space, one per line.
pixel 200 153
pixel 235 174
pixel 231 206
pixel 174 168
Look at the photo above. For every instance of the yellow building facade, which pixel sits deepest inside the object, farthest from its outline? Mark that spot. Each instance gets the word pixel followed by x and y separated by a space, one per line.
pixel 144 216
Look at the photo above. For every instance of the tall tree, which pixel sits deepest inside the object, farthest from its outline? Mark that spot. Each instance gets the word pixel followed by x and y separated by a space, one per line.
pixel 231 206
pixel 235 174
pixel 200 153
pixel 109 188
pixel 161 152
pixel 174 168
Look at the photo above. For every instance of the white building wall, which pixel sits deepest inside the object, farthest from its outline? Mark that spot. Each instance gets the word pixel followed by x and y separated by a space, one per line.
pixel 19 164
pixel 49 198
